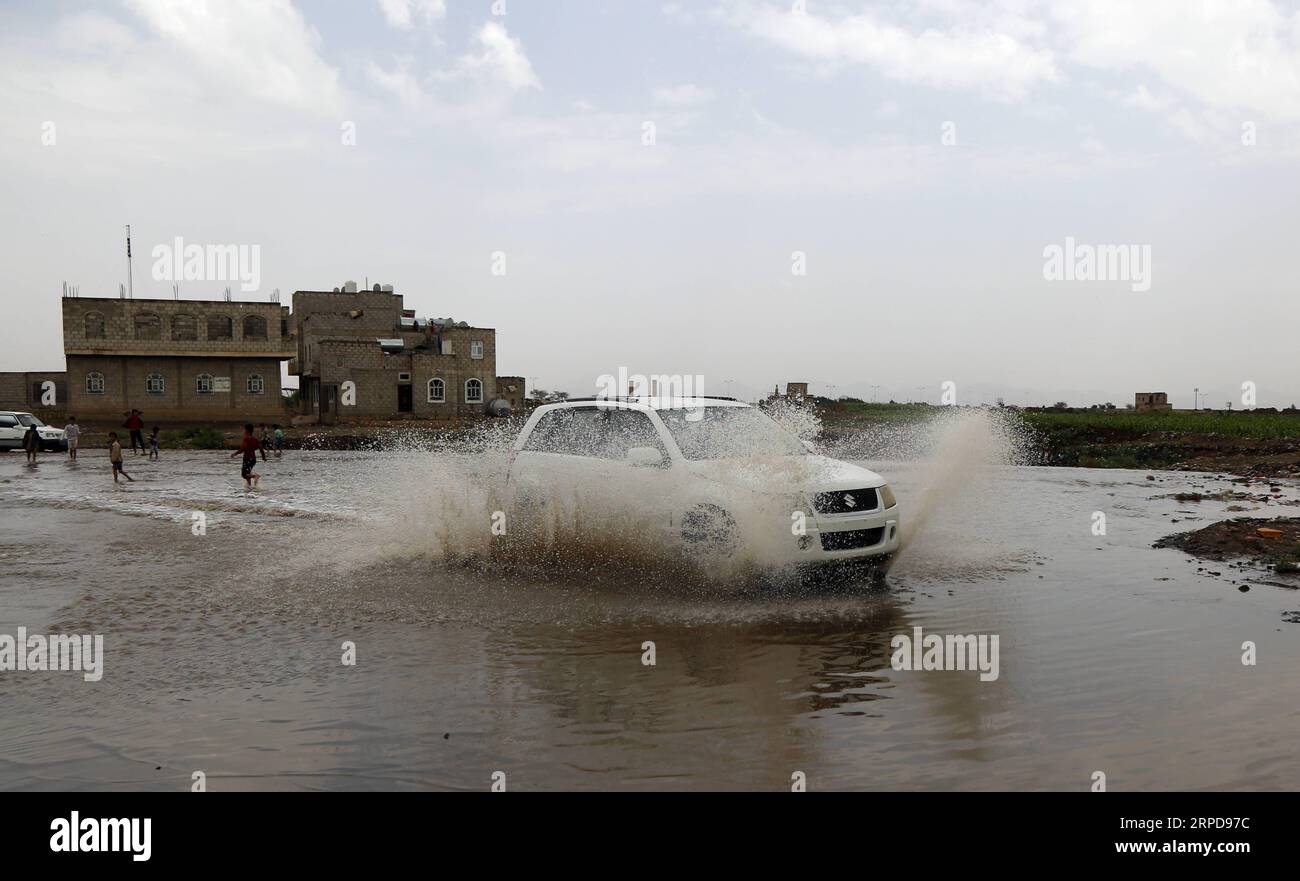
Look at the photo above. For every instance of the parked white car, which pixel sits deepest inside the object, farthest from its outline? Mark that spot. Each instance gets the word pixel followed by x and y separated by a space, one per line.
pixel 13 427
pixel 712 474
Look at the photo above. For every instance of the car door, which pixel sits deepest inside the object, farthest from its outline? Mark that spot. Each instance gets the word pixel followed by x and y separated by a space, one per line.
pixel 11 432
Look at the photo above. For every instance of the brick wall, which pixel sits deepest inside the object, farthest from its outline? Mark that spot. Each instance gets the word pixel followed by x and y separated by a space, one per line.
pixel 127 327
pixel 375 373
pixel 21 391
pixel 125 387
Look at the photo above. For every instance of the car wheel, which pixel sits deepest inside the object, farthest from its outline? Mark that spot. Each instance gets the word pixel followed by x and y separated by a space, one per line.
pixel 709 529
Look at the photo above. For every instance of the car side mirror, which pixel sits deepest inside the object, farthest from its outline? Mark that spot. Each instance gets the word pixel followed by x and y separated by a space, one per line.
pixel 645 457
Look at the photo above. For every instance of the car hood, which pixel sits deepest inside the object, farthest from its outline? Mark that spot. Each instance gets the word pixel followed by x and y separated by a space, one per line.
pixel 785 474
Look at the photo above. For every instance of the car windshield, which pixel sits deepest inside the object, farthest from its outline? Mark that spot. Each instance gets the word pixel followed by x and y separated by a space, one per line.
pixel 729 433
pixel 29 420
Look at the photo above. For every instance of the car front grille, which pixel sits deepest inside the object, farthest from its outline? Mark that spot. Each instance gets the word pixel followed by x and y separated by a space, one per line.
pixel 846 501
pixel 852 539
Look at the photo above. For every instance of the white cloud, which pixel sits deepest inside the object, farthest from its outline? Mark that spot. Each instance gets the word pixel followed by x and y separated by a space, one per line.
pixel 399 81
pixel 970 55
pixel 262 47
pixel 403 14
pixel 501 60
pixel 687 95
pixel 1238 56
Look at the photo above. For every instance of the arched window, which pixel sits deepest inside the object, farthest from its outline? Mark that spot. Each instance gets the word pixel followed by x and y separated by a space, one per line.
pixel 154 384
pixel 185 327
pixel 473 391
pixel 148 326
pixel 220 327
pixel 256 385
pixel 95 325
pixel 203 383
pixel 254 327
pixel 437 391
pixel 94 383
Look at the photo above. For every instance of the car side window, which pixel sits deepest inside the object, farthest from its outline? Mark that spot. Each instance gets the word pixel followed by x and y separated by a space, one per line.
pixel 621 430
pixel 569 431
pixel 8 422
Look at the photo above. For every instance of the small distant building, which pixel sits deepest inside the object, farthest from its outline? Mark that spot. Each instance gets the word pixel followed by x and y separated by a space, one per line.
pixel 362 354
pixel 1148 402
pixel 512 390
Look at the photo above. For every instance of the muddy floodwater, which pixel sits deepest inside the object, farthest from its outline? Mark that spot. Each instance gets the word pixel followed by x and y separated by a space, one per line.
pixel 223 651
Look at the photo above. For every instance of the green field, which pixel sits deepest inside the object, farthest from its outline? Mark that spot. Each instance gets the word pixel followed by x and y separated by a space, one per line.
pixel 1204 423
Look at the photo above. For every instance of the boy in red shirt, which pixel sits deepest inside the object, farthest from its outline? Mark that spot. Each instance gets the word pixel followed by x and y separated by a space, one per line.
pixel 249 447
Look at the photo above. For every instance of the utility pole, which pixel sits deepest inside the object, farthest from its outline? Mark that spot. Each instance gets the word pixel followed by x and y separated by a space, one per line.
pixel 130 283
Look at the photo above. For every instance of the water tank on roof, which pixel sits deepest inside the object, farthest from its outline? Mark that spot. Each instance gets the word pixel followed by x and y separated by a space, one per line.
pixel 387 289
pixel 349 287
pixel 498 407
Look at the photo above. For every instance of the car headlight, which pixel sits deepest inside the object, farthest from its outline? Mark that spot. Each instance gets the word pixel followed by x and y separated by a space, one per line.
pixel 887 496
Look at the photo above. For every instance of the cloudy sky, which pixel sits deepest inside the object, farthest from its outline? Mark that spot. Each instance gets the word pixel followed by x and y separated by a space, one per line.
pixel 856 194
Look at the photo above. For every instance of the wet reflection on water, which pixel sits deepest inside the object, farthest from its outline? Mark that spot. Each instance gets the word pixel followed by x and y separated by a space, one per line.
pixel 223 651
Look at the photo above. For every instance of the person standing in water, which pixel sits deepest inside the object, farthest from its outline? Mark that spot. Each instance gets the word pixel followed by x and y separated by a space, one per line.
pixel 115 457
pixel 71 431
pixel 32 444
pixel 135 424
pixel 279 441
pixel 153 443
pixel 249 448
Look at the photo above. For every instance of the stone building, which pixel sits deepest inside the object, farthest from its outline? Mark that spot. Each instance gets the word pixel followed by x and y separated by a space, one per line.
pixel 174 359
pixel 1147 402
pixel 361 354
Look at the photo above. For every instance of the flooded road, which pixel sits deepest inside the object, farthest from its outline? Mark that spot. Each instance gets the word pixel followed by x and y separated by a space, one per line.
pixel 223 650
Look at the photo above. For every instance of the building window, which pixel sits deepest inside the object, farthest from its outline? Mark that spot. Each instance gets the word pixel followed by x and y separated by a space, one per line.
pixel 148 326
pixel 473 391
pixel 203 383
pixel 154 384
pixel 437 391
pixel 254 327
pixel 476 349
pixel 256 385
pixel 220 327
pixel 94 383
pixel 185 327
pixel 95 325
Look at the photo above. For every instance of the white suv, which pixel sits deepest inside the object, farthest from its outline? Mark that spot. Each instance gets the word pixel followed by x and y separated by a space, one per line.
pixel 712 474
pixel 13 427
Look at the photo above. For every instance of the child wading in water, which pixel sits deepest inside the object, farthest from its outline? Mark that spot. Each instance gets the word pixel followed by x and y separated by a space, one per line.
pixel 153 443
pixel 115 456
pixel 249 448
pixel 72 432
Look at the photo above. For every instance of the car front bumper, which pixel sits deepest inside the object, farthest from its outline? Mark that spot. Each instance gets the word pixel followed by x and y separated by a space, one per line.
pixel 831 537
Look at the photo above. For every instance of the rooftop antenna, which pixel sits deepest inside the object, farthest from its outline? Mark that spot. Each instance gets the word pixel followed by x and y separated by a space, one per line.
pixel 129 281
pixel 227 294
pixel 176 292
pixel 121 291
pixel 275 295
